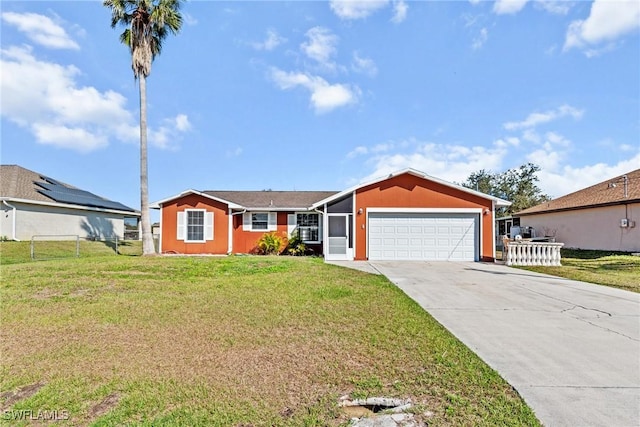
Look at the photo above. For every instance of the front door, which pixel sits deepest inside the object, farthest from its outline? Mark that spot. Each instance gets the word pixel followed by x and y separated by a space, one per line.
pixel 338 238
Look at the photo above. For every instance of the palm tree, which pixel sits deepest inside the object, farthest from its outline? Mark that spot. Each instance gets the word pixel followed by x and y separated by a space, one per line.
pixel 147 23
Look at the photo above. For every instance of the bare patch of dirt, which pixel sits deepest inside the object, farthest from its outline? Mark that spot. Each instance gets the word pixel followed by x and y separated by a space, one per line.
pixel 45 293
pixel 107 404
pixel 24 392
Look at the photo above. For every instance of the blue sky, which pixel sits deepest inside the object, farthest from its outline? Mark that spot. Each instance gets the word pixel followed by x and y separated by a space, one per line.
pixel 322 95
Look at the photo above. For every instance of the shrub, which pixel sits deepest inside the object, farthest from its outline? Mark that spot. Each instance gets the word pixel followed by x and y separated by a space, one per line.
pixel 296 246
pixel 271 243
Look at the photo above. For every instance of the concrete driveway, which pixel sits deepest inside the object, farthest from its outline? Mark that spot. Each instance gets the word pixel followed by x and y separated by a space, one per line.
pixel 571 349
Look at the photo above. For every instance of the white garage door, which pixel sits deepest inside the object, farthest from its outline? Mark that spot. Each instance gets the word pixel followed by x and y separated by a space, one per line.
pixel 423 236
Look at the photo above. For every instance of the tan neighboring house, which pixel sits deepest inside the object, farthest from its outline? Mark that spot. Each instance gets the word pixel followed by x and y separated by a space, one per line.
pixel 605 216
pixel 34 204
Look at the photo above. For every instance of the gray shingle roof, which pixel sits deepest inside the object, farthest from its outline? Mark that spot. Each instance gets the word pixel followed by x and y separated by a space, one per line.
pixel 272 199
pixel 602 194
pixel 17 182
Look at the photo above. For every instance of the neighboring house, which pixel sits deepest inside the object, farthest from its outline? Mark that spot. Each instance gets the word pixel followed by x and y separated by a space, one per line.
pixel 407 215
pixel 605 216
pixel 34 204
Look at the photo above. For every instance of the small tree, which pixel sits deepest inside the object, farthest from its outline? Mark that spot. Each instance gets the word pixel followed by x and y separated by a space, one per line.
pixel 517 185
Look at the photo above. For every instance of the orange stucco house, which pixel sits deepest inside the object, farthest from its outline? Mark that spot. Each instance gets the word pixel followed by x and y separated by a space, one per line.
pixel 406 215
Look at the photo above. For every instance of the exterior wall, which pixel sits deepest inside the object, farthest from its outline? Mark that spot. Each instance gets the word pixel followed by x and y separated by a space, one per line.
pixel 169 218
pixel 50 220
pixel 244 242
pixel 596 228
pixel 409 191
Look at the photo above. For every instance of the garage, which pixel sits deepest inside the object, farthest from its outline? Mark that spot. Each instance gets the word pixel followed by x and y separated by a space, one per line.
pixel 442 236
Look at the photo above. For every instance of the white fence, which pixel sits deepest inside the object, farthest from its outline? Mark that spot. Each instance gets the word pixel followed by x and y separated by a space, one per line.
pixel 532 253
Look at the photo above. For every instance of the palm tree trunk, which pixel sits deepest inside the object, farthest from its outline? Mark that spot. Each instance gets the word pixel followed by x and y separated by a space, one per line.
pixel 148 247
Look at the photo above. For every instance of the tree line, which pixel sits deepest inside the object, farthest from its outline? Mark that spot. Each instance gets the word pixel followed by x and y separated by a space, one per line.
pixel 517 185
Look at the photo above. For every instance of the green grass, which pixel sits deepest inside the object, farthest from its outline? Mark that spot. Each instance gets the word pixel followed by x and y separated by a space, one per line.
pixel 615 269
pixel 233 341
pixel 18 252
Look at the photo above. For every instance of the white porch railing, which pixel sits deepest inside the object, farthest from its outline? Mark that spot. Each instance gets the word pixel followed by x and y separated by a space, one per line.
pixel 532 253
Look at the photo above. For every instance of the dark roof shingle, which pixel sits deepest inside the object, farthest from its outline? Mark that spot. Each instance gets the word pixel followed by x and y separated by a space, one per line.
pixel 272 199
pixel 601 194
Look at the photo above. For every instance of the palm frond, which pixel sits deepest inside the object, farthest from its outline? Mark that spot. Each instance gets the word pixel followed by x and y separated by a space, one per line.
pixel 148 23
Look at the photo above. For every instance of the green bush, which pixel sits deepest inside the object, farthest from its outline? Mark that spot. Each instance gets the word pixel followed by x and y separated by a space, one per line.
pixel 296 246
pixel 271 243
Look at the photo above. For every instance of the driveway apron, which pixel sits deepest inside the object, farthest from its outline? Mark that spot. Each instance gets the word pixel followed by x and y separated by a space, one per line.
pixel 571 349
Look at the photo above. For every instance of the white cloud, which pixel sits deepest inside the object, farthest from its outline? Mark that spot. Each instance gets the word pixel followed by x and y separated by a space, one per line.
pixel 507 142
pixel 607 21
pixel 189 19
pixel 474 2
pixel 554 138
pixel 505 7
pixel 272 41
pixel 41 30
pixel 400 9
pixel 561 180
pixel 45 98
pixel 321 46
pixel 363 65
pixel 325 97
pixel 356 9
pixel 455 162
pixel 75 138
pixel 535 119
pixel 451 162
pixel 169 133
pixel 479 41
pixel 554 6
pixel 358 151
pixel 547 160
pixel 182 123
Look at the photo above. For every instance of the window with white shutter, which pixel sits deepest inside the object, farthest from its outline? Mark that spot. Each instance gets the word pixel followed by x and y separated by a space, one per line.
pixel 195 225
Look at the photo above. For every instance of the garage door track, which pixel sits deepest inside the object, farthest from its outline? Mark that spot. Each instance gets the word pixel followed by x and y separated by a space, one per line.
pixel 571 349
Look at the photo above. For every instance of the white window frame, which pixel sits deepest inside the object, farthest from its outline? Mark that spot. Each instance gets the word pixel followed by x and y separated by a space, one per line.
pixel 207 226
pixel 272 221
pixel 293 224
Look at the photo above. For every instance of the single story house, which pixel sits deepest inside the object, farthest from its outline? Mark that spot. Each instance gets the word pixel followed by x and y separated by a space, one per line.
pixel 406 215
pixel 32 204
pixel 604 216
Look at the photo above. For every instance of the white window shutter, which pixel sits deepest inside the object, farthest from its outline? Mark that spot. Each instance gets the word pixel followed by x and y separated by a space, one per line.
pixel 320 224
pixel 292 222
pixel 246 221
pixel 182 226
pixel 208 226
pixel 273 221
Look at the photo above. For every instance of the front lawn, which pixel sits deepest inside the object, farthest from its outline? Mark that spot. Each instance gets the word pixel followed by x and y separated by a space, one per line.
pixel 615 269
pixel 232 341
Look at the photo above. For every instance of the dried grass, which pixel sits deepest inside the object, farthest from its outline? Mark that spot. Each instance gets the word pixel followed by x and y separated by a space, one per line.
pixel 259 341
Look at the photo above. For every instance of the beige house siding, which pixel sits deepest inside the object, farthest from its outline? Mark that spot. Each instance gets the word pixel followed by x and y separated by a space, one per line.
pixel 50 220
pixel 593 228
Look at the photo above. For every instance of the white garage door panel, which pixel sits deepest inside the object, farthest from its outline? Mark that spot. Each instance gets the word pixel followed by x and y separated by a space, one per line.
pixel 423 236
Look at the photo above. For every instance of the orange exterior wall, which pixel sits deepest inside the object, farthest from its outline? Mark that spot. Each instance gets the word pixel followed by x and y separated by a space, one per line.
pixel 220 242
pixel 244 242
pixel 409 191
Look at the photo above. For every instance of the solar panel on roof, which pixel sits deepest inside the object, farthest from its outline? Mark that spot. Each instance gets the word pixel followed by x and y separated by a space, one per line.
pixel 63 194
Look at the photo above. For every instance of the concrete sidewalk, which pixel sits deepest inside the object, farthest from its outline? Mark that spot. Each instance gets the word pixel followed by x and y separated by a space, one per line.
pixel 571 349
